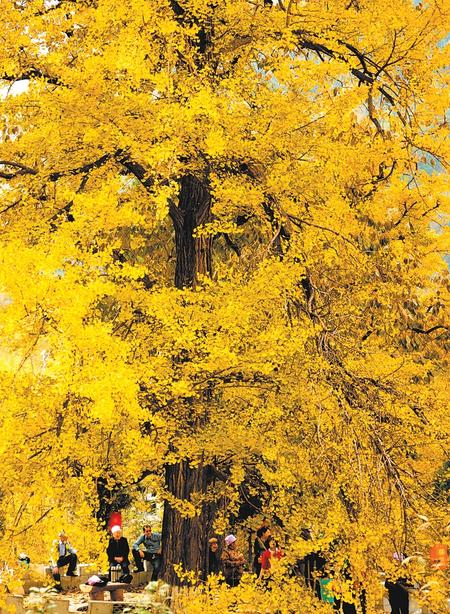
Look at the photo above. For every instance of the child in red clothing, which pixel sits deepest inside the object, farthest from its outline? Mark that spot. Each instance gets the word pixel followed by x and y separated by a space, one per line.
pixel 270 559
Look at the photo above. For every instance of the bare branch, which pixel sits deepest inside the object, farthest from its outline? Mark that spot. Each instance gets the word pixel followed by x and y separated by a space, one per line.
pixel 86 168
pixel 22 169
pixel 428 330
pixel 298 222
pixel 32 73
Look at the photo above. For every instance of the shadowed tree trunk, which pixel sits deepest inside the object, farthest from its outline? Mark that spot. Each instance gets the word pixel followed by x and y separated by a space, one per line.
pixel 110 499
pixel 185 539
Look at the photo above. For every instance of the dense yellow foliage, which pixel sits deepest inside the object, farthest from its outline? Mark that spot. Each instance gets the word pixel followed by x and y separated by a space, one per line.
pixel 310 367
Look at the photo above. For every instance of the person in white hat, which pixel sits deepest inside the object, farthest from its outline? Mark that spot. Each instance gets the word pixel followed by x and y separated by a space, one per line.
pixel 232 561
pixel 118 550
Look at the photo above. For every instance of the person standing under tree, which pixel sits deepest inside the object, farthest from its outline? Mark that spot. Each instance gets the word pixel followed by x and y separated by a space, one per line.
pixel 398 596
pixel 270 559
pixel 232 561
pixel 260 545
pixel 398 589
pixel 213 556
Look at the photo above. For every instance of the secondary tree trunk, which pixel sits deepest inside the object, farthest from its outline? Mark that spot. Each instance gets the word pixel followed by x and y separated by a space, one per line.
pixel 185 539
pixel 110 499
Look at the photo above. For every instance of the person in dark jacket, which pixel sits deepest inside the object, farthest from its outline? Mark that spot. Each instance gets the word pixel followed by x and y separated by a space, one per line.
pixel 214 565
pixel 260 546
pixel 398 596
pixel 118 550
pixel 398 589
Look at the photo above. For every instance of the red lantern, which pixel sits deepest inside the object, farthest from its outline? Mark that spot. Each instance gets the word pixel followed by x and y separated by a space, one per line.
pixel 439 556
pixel 115 519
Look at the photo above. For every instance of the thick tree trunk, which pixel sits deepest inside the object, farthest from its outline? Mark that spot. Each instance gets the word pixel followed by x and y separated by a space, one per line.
pixel 185 539
pixel 193 254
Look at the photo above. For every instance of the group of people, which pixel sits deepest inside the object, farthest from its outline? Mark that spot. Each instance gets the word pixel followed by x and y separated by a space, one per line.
pixel 146 548
pixel 231 562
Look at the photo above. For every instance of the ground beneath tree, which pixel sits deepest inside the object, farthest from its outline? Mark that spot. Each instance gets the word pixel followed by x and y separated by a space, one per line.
pixel 78 601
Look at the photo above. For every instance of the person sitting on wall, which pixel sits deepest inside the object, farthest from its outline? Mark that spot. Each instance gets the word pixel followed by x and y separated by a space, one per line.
pixel 151 551
pixel 66 555
pixel 118 550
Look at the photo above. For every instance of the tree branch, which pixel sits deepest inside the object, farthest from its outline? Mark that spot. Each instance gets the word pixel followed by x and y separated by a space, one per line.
pixel 428 330
pixel 41 517
pixel 364 75
pixel 136 169
pixel 23 169
pixel 298 222
pixel 81 169
pixel 32 73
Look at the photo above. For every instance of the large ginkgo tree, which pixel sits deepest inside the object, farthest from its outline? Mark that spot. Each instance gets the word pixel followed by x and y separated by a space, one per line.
pixel 222 239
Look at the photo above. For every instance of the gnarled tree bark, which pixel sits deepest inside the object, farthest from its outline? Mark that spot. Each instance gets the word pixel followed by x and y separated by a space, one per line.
pixel 193 254
pixel 185 539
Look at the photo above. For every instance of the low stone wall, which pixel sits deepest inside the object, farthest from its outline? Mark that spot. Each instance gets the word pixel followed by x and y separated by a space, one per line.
pixel 15 604
pixel 41 576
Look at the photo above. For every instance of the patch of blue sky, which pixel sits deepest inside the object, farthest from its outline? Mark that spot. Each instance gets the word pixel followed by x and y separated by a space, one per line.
pixel 444 41
pixel 272 82
pixel 430 165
